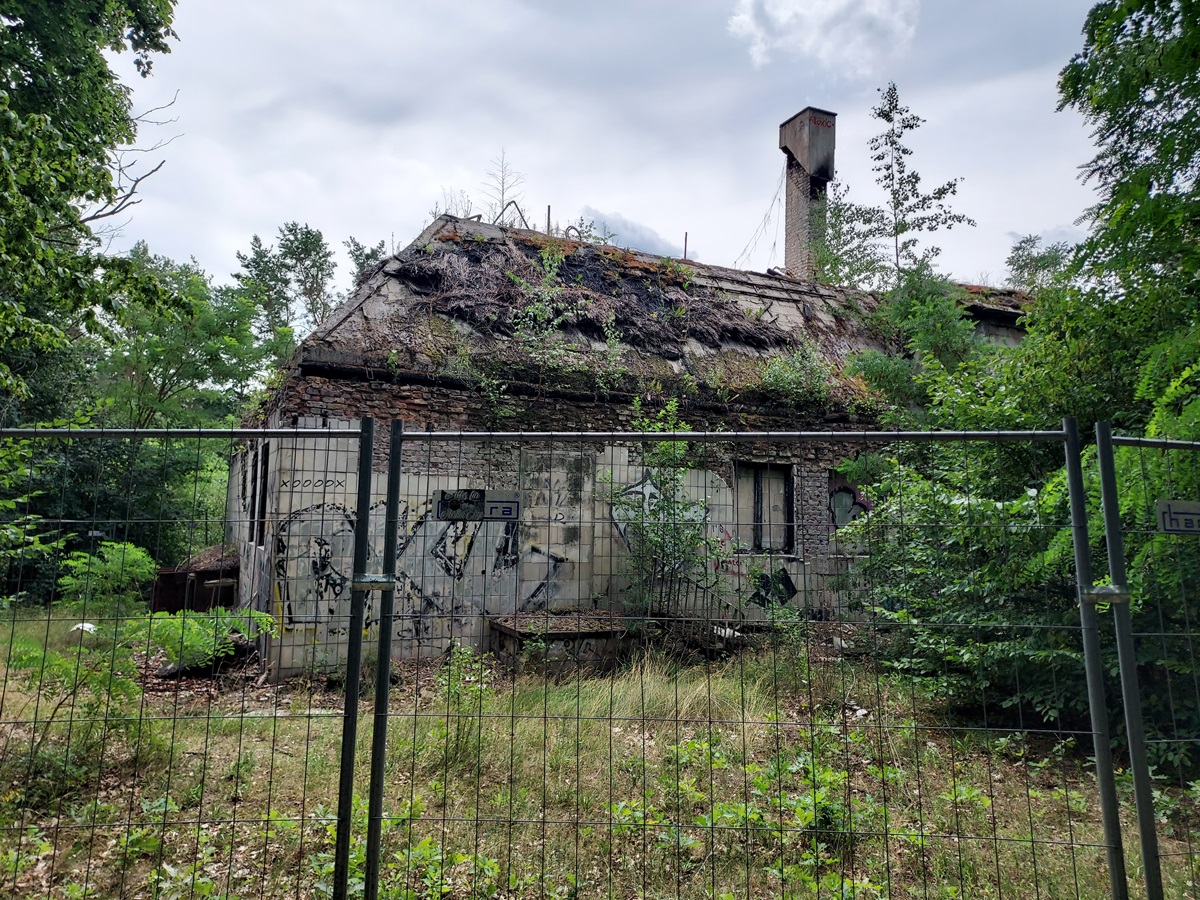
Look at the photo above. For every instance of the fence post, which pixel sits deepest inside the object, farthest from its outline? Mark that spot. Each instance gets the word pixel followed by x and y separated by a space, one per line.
pixel 1094 668
pixel 1118 597
pixel 358 599
pixel 383 667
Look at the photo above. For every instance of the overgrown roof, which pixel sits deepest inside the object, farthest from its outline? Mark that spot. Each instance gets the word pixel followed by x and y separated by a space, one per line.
pixel 468 302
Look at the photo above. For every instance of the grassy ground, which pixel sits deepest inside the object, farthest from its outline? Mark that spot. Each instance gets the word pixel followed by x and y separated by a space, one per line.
pixel 785 772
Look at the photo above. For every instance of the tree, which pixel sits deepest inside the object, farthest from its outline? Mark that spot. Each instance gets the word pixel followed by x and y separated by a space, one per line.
pixel 53 64
pixel 362 258
pixel 62 116
pixel 310 263
pixel 186 363
pixel 290 284
pixel 1033 268
pixel 908 210
pixel 1135 83
pixel 264 280
pixel 845 241
pixel 502 187
pixel 1115 334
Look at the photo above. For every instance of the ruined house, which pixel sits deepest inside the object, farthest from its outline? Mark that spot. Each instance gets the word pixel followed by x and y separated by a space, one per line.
pixel 477 327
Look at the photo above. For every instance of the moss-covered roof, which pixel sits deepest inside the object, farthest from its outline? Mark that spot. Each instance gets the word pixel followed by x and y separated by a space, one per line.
pixel 473 303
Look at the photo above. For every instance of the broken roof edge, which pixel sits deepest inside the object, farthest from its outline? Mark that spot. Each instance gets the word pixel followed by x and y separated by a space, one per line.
pixel 981 303
pixel 981 296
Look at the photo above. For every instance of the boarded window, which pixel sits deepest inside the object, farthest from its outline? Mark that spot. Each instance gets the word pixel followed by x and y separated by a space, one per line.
pixel 765 507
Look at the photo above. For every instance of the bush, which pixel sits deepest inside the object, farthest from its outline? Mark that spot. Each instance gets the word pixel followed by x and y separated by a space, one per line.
pixel 800 380
pixel 193 639
pixel 973 591
pixel 671 549
pixel 115 577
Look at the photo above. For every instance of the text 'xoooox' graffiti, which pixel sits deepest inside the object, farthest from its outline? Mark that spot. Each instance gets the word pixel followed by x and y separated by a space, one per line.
pixel 443 568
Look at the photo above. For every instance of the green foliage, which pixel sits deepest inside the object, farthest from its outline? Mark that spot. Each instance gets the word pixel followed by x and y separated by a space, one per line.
pixel 965 546
pixel 845 241
pixel 1135 83
pixel 191 638
pixel 464 688
pixel 79 696
pixel 537 323
pixel 62 115
pixel 672 550
pixel 1033 268
pixel 963 575
pixel 164 496
pixel 893 377
pixel 321 863
pixel 908 211
pixel 184 364
pixel 289 283
pixel 363 258
pixel 923 316
pixel 799 380
pixel 115 577
pixel 23 536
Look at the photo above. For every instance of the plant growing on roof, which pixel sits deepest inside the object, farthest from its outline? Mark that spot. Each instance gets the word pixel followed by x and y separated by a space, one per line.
pixel 537 322
pixel 907 210
pixel 800 379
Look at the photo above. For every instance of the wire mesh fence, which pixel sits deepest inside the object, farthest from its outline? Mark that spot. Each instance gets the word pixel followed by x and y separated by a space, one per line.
pixel 142 752
pixel 1152 507
pixel 652 665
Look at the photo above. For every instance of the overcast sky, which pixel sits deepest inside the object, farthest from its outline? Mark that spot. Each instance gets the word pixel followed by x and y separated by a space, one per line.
pixel 661 116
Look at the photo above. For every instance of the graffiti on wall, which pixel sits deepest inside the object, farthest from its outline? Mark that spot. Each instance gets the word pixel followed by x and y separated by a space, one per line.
pixel 443 568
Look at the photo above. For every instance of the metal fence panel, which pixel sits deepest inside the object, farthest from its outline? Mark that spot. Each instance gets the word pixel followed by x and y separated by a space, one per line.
pixel 1151 502
pixel 134 761
pixel 619 665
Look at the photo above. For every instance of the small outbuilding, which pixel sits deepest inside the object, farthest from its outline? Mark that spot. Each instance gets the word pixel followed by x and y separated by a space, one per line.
pixel 478 327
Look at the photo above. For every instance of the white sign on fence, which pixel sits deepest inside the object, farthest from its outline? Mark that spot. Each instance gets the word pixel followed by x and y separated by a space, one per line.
pixel 1179 517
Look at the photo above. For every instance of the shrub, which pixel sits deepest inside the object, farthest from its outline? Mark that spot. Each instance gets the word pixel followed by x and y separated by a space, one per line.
pixel 799 380
pixel 671 549
pixel 192 638
pixel 115 577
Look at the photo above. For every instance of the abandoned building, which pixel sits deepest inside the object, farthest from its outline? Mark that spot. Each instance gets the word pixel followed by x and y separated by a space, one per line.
pixel 477 327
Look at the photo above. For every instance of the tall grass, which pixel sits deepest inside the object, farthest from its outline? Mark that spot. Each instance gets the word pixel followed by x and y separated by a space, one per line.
pixel 772 774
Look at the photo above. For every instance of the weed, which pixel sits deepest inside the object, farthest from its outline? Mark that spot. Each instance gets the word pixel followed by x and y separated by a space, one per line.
pixel 31 847
pixel 672 550
pixel 538 321
pixel 799 380
pixel 464 686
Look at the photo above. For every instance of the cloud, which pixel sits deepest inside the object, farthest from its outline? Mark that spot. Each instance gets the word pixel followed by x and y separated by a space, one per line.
pixel 850 37
pixel 634 235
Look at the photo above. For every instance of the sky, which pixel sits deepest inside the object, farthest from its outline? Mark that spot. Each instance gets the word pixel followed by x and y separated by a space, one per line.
pixel 658 117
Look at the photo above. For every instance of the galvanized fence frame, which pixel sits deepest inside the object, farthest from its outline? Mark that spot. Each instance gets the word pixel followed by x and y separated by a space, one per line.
pixel 384 582
pixel 1117 594
pixel 364 437
pixel 1102 752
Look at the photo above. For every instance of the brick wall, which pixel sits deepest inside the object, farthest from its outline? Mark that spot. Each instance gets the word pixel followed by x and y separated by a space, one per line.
pixel 566 551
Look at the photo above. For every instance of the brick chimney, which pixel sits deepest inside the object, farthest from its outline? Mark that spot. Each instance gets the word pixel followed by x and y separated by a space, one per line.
pixel 807 140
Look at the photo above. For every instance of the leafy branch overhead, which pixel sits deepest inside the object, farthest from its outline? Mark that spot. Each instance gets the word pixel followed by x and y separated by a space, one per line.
pixel 63 115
